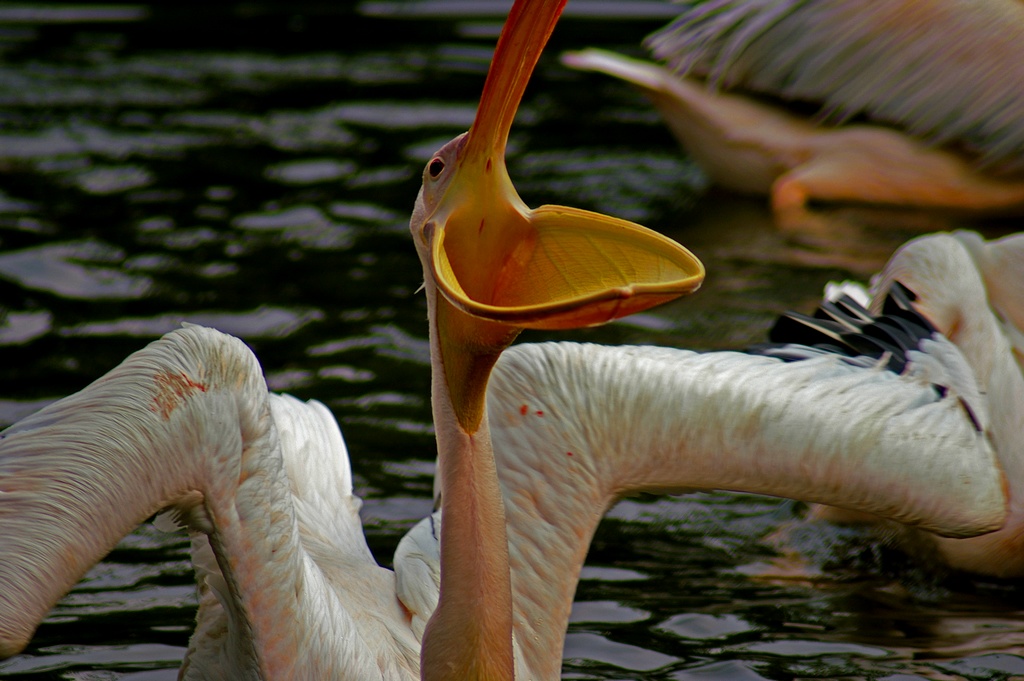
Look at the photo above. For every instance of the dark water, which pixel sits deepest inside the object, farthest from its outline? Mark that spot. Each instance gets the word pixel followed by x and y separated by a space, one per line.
pixel 251 166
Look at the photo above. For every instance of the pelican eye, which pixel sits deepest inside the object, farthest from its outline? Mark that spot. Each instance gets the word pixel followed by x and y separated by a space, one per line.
pixel 435 167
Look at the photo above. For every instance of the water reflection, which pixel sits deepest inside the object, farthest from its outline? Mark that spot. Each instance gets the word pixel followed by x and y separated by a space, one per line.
pixel 251 167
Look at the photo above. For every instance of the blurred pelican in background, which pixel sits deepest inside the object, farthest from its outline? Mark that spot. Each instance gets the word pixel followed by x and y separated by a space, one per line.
pixel 901 102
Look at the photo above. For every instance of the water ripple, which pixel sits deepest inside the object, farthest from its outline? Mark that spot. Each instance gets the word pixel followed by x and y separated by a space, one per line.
pixel 85 270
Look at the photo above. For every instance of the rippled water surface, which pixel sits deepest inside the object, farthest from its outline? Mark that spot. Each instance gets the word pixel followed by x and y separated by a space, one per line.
pixel 251 166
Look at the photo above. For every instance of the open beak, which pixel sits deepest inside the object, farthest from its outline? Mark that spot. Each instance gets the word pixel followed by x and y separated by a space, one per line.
pixel 509 267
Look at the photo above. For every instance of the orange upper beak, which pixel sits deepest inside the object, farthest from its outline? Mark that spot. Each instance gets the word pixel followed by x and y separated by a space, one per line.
pixel 509 267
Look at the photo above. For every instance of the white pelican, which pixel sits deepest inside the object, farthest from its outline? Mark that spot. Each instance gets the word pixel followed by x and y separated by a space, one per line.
pixel 492 266
pixel 917 101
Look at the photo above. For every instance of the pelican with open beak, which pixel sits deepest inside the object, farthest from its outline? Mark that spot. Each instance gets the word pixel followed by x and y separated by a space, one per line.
pixel 492 267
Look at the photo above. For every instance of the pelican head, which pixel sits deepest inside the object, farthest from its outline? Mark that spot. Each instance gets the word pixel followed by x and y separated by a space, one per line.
pixel 500 266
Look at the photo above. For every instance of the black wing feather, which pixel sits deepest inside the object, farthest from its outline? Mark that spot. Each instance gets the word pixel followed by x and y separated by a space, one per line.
pixel 845 328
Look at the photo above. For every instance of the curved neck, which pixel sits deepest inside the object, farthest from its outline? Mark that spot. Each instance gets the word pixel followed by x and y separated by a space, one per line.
pixel 469 635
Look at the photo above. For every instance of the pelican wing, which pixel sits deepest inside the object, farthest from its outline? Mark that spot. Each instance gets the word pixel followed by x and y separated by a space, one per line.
pixel 577 426
pixel 263 482
pixel 947 70
pixel 83 472
pixel 821 429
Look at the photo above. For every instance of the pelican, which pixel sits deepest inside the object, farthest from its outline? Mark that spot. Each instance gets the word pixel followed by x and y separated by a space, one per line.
pixel 531 446
pixel 917 101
